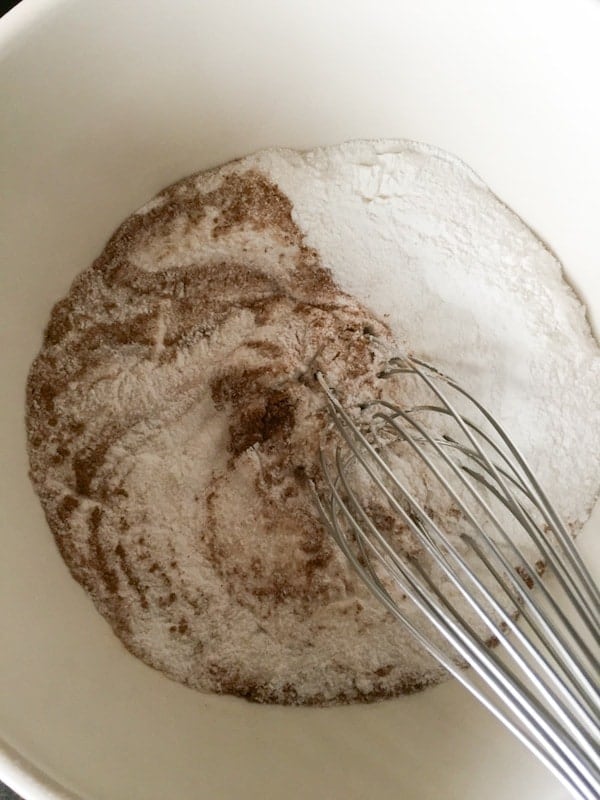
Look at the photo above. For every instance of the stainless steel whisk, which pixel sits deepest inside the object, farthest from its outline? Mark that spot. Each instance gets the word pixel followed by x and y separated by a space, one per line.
pixel 534 650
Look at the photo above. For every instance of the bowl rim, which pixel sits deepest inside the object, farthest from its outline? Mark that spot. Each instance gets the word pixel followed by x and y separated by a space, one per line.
pixel 24 777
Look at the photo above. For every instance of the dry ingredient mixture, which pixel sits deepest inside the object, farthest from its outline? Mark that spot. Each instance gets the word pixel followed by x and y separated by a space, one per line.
pixel 174 421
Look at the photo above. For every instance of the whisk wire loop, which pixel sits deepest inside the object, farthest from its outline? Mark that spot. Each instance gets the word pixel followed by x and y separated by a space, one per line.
pixel 459 594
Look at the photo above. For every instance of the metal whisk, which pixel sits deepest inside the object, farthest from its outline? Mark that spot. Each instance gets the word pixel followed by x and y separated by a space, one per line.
pixel 472 592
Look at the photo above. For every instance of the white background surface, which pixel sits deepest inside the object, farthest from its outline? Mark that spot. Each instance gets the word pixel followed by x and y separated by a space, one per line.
pixel 102 105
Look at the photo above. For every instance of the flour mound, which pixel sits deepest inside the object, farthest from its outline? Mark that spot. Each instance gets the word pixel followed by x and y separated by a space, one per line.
pixel 174 421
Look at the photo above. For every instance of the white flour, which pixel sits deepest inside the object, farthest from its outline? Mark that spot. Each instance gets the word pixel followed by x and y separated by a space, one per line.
pixel 169 412
pixel 425 244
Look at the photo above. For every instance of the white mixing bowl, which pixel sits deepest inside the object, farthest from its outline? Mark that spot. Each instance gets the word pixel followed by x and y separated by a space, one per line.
pixel 102 104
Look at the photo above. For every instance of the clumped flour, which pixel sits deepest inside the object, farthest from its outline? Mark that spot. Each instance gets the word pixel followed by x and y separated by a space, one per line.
pixel 173 419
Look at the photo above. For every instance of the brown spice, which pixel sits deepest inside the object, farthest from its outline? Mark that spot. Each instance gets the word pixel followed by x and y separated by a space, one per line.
pixel 98 557
pixel 154 316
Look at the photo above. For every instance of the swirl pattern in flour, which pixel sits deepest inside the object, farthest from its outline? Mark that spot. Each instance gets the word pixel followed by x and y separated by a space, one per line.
pixel 173 422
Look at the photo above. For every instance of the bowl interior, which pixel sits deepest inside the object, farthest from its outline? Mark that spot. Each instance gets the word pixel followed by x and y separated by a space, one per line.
pixel 102 107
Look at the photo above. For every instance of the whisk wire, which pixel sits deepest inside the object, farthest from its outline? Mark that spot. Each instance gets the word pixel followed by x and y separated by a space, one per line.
pixel 524 604
pixel 551 704
pixel 571 558
pixel 356 437
pixel 531 735
pixel 544 504
pixel 588 609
